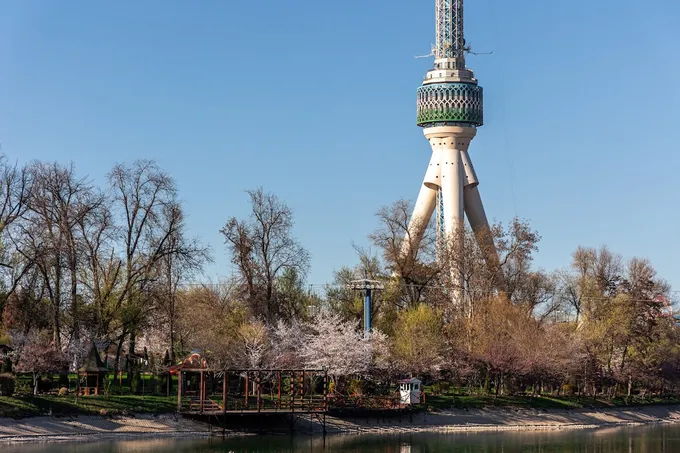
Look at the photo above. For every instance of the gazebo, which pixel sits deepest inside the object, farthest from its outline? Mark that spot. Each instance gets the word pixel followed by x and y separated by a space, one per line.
pixel 93 370
pixel 190 376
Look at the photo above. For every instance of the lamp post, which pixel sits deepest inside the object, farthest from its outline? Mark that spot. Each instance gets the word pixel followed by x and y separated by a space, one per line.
pixel 367 286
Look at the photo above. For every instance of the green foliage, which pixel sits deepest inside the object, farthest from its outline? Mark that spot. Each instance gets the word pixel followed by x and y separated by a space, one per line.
pixel 23 387
pixel 355 387
pixel 293 300
pixel 7 384
pixel 6 366
pixel 418 340
pixel 90 405
pixel 537 402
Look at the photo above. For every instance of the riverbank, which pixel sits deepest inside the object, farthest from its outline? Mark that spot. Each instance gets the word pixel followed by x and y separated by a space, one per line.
pixel 92 427
pixel 505 419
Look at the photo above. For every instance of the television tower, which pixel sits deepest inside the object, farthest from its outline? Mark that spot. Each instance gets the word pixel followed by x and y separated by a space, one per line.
pixel 450 109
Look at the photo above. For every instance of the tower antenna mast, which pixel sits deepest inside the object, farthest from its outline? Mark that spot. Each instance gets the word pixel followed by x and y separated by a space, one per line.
pixel 450 39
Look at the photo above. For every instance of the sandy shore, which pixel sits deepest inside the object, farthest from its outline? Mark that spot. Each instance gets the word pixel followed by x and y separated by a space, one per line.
pixel 506 419
pixel 51 429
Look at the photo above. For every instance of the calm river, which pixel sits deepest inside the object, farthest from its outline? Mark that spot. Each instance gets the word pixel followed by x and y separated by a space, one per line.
pixel 647 439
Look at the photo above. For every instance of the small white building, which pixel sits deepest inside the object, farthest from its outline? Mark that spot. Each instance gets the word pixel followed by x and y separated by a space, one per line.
pixel 410 391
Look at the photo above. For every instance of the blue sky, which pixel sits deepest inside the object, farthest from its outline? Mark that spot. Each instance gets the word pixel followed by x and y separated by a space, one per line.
pixel 315 101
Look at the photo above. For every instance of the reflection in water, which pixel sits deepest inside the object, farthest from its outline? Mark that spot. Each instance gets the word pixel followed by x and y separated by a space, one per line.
pixel 647 439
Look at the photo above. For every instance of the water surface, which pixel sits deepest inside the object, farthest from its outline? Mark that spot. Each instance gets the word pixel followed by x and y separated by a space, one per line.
pixel 645 439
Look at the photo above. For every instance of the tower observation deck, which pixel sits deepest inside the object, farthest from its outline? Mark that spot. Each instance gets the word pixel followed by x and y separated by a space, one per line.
pixel 450 94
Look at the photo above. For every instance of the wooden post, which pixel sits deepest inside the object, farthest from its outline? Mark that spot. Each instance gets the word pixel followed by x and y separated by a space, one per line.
pixel 278 405
pixel 325 390
pixel 292 392
pixel 246 392
pixel 224 392
pixel 302 390
pixel 259 386
pixel 200 390
pixel 179 391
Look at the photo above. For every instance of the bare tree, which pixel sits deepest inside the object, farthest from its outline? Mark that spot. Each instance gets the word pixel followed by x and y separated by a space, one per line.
pixel 102 267
pixel 47 238
pixel 417 270
pixel 145 198
pixel 15 188
pixel 176 268
pixel 208 316
pixel 263 247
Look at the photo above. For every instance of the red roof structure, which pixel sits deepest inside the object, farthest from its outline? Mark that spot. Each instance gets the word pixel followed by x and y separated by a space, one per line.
pixel 191 363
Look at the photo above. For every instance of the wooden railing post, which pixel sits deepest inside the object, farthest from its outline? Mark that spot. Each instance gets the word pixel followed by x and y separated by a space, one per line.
pixel 278 404
pixel 292 391
pixel 200 391
pixel 325 390
pixel 224 392
pixel 247 390
pixel 179 390
pixel 259 387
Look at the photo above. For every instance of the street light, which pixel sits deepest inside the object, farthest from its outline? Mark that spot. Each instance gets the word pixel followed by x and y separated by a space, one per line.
pixel 368 286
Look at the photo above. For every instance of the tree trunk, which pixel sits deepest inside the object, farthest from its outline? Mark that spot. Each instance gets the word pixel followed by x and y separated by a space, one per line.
pixel 74 308
pixel 119 350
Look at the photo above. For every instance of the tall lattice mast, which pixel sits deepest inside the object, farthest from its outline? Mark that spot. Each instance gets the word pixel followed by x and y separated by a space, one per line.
pixel 450 42
pixel 450 45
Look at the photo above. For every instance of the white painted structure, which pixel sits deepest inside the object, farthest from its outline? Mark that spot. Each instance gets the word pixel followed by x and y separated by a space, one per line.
pixel 410 391
pixel 450 109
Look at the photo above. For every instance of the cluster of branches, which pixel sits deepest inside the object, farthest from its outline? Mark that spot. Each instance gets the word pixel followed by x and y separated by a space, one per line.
pixel 601 325
pixel 80 262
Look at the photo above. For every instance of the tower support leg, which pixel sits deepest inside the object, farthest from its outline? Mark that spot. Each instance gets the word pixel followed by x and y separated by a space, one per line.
pixel 424 207
pixel 452 194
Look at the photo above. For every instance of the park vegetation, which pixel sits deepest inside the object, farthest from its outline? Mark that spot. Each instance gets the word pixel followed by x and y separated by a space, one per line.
pixel 114 264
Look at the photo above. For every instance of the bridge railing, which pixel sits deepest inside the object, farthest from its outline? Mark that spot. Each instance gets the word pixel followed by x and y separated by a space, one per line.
pixel 210 391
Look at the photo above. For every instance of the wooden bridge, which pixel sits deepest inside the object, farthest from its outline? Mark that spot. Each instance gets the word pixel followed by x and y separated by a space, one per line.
pixel 216 392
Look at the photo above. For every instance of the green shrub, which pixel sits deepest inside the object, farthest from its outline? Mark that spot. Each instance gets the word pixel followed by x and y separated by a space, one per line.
pixel 23 387
pixel 7 383
pixel 568 389
pixel 355 387
pixel 6 366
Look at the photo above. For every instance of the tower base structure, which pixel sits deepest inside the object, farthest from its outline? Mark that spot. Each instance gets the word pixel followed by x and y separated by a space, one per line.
pixel 451 174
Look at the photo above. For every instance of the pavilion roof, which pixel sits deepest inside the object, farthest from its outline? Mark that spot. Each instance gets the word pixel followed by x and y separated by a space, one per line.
pixel 93 363
pixel 194 362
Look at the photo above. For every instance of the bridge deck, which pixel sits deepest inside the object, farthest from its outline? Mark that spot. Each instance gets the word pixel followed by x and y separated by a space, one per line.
pixel 254 412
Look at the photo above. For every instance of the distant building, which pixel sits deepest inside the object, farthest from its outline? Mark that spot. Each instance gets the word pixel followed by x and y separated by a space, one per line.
pixel 410 391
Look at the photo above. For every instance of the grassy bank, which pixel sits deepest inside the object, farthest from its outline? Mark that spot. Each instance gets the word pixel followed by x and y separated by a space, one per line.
pixel 541 402
pixel 26 406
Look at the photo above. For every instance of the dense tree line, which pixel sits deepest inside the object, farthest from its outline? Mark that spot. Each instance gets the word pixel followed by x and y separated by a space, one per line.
pixel 115 264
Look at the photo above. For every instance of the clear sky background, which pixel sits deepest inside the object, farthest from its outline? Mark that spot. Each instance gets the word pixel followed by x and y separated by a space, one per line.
pixel 315 101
